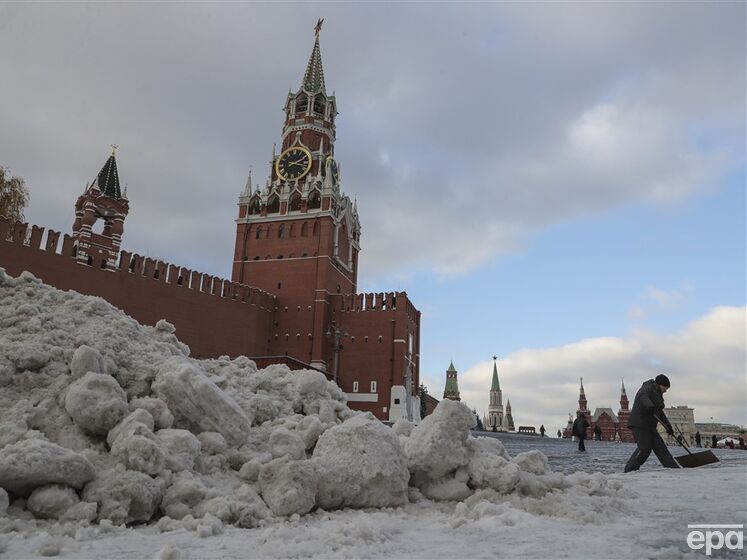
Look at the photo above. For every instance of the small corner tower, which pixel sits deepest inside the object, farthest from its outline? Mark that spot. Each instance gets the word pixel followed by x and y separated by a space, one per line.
pixel 509 418
pixel 623 432
pixel 582 407
pixel 104 201
pixel 495 408
pixel 451 391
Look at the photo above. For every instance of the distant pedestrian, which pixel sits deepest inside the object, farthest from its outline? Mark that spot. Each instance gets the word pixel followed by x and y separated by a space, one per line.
pixel 560 434
pixel 579 430
pixel 647 412
pixel 730 443
pixel 741 443
pixel 714 441
pixel 697 438
pixel 598 432
pixel 542 430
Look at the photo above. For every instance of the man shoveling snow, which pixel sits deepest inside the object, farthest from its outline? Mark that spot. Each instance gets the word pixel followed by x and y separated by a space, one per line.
pixel 647 412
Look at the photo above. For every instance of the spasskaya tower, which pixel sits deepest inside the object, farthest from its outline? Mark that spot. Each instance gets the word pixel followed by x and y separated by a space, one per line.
pixel 298 236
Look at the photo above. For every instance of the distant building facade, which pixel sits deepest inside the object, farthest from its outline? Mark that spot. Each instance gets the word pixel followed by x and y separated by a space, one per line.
pixel 614 427
pixel 709 429
pixel 682 419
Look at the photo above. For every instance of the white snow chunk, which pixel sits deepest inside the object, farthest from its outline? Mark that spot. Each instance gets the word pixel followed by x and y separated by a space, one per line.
pixel 360 464
pixel 310 428
pixel 158 410
pixel 31 463
pixel 288 486
pixel 180 448
pixel 4 503
pixel 139 453
pixel 86 359
pixel 533 461
pixel 96 403
pixel 447 488
pixel 169 552
pixel 249 471
pixel 438 445
pixel 52 502
pixel 403 427
pixel 284 442
pixel 197 403
pixel 123 496
pixel 212 443
pixel 242 507
pixel 490 470
pixel 82 511
pixel 50 547
pixel 182 496
pixel 139 422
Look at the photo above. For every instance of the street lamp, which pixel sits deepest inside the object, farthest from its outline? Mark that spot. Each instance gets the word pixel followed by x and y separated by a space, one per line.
pixel 336 335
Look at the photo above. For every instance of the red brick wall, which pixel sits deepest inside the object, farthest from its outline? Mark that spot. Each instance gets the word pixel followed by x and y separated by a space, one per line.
pixel 211 324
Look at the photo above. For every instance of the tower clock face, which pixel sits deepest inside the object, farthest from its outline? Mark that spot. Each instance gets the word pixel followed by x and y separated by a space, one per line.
pixel 293 163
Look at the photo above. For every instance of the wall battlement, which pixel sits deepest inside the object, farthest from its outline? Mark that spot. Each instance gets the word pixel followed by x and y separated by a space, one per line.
pixel 212 315
pixel 389 301
pixel 136 265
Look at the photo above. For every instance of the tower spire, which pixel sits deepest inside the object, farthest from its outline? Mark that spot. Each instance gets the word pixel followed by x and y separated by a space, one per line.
pixel 313 79
pixel 495 385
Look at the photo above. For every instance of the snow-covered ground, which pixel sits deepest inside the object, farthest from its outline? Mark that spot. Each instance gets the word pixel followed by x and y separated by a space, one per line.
pixel 115 444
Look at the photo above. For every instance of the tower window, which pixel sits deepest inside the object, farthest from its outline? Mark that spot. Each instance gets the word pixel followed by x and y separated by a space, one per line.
pixel 258 233
pixel 280 284
pixel 319 104
pixel 315 200
pixel 294 205
pixel 373 386
pixel 355 386
pixel 302 103
pixel 273 206
pixel 281 231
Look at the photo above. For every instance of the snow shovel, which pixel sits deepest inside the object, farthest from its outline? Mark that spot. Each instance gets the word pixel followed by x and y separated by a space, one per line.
pixel 692 460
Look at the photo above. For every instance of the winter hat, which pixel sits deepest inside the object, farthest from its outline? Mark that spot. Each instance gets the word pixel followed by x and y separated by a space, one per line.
pixel 662 379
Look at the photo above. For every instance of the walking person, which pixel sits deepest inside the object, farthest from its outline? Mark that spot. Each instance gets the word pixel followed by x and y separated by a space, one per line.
pixel 579 429
pixel 714 441
pixel 598 432
pixel 542 430
pixel 560 434
pixel 697 438
pixel 647 412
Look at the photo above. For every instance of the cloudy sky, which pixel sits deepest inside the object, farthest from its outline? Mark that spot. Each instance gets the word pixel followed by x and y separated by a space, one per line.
pixel 561 185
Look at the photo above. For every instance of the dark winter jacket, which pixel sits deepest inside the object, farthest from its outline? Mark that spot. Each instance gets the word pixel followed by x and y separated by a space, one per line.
pixel 648 402
pixel 579 427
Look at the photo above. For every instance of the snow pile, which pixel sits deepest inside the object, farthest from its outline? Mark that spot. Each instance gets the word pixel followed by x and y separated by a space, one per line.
pixel 104 420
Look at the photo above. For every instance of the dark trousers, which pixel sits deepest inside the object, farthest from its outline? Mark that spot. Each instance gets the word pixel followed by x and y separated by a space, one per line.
pixel 581 446
pixel 647 441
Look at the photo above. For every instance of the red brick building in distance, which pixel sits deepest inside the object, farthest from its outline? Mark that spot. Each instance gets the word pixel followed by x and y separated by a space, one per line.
pixel 614 426
pixel 292 297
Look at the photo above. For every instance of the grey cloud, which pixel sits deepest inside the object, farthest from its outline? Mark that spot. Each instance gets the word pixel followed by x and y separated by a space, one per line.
pixel 476 107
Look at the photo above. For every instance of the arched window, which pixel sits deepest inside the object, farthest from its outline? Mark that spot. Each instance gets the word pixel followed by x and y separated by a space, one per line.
pixel 254 206
pixel 302 103
pixel 258 234
pixel 294 205
pixel 273 205
pixel 281 231
pixel 315 200
pixel 292 232
pixel 305 229
pixel 319 104
pixel 316 229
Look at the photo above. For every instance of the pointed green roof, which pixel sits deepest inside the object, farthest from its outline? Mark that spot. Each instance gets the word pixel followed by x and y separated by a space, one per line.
pixel 451 366
pixel 107 181
pixel 495 386
pixel 313 79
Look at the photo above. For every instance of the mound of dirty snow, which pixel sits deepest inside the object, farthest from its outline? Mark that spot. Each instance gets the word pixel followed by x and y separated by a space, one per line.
pixel 106 421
